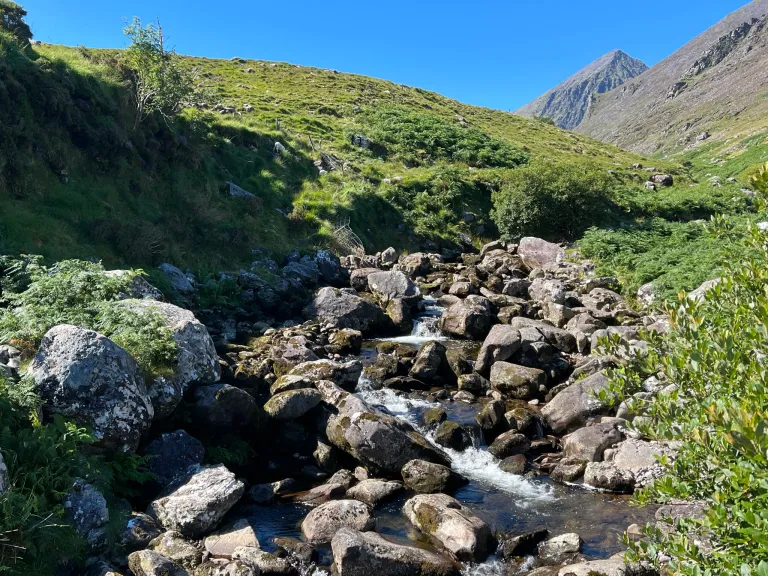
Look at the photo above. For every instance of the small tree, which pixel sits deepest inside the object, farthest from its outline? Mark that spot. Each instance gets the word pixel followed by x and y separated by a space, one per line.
pixel 160 84
pixel 12 21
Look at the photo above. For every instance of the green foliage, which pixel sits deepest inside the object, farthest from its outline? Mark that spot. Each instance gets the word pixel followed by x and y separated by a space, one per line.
pixel 553 201
pixel 12 21
pixel 418 139
pixel 219 292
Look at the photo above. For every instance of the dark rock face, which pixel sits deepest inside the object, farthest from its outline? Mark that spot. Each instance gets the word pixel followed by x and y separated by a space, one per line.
pixel 172 453
pixel 344 309
pixel 428 478
pixel 87 510
pixel 470 318
pixel 225 408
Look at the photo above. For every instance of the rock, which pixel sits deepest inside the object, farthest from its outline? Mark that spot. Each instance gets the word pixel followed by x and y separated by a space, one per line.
pixel 224 542
pixel 641 458
pixel 663 179
pixel 342 309
pixel 606 476
pixel 264 563
pixel 474 383
pixel 290 382
pixel 85 376
pixel 460 289
pixel 501 344
pixel 322 523
pixel 416 264
pixel 391 285
pixel 517 287
pixel 568 470
pixel 451 525
pixel 149 563
pixel 701 291
pixel 172 545
pixel 321 494
pixel 509 444
pixel 399 311
pixel 646 293
pixel 585 323
pixel 264 493
pixel 224 408
pixel 179 282
pixel 294 548
pixel 86 509
pixel 5 479
pixel 613 566
pixel 589 443
pixel 226 568
pixel 195 504
pixel 102 568
pixel 292 404
pixel 306 272
pixel 434 416
pixel 558 338
pixel 470 318
pixel 491 419
pixel 558 548
pixel 542 290
pixel 358 278
pixel 517 381
pixel 431 365
pixel 427 478
pixel 171 454
pixel 345 341
pixel 389 257
pixel 538 253
pixel 373 491
pixel 344 374
pixel 197 361
pixel 649 186
pixel 329 266
pixel 365 553
pixel 453 436
pixel 521 545
pixel 574 404
pixel 514 464
pixel 326 456
pixel 139 287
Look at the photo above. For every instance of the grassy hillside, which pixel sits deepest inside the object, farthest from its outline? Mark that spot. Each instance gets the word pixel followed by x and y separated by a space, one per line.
pixel 78 180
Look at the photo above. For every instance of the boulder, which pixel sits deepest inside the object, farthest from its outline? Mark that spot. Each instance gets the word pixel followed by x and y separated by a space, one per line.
pixel 393 285
pixel 543 290
pixel 501 344
pixel 171 454
pixel 179 282
pixel 452 435
pixel 663 179
pixel 589 443
pixel 345 341
pixel 329 267
pixel 292 404
pixel 365 553
pixel 344 374
pixel 138 531
pixel 399 312
pixel 197 361
pixel 568 470
pixel 138 288
pixel 175 547
pixel 491 419
pixel 509 444
pixel 461 289
pixel 264 563
pixel 514 464
pixel 473 383
pixel 196 503
pixel 431 365
pixel 225 408
pixel 538 253
pixel 150 563
pixel 558 338
pixel 517 381
pixel 389 257
pixel 358 279
pixel 606 476
pixel 521 545
pixel 322 523
pixel 613 566
pixel 574 404
pixel 427 478
pixel 224 542
pixel 86 509
pixel 470 318
pixel 5 479
pixel 641 458
pixel 414 265
pixel 343 309
pixel 373 491
pixel 85 376
pixel 558 548
pixel 321 494
pixel 290 382
pixel 451 525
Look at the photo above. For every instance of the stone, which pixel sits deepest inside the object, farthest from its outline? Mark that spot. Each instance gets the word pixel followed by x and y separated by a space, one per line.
pixel 138 288
pixel 329 266
pixel 474 383
pixel 608 477
pixel 365 553
pixel 345 341
pixel 589 443
pixel 358 278
pixel 543 290
pixel 509 444
pixel 470 318
pixel 556 549
pixel 427 478
pixel 292 404
pixel 461 289
pixel 150 563
pixel 434 416
pixel 179 282
pixel 195 504
pixel 491 419
pixel 568 470
pixel 344 374
pixel 703 289
pixel 389 257
pixel 225 568
pixel 414 265
pixel 558 338
pixel 86 509
pixel 373 491
pixel 85 376
pixel 521 545
pixel 102 568
pixel 641 458
pixel 197 361
pixel 431 365
pixel 452 435
pixel 175 547
pixel 294 548
pixel 224 542
pixel 171 454
pixel 325 456
pixel 663 179
pixel 393 285
pixel 613 566
pixel 288 382
pixel 321 494
pixel 138 531
pixel 514 464
pixel 517 381
pixel 399 312
pixel 574 404
pixel 264 563
pixel 517 287
pixel 585 323
pixel 5 479
pixel 450 525
pixel 344 310
pixel 322 523
pixel 538 253
pixel 501 344
pixel 225 408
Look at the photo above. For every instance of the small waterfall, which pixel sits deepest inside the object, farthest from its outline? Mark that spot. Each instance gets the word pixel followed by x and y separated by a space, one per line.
pixel 425 325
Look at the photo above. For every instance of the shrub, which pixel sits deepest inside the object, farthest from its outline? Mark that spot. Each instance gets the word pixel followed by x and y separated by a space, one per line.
pixel 12 21
pixel 554 201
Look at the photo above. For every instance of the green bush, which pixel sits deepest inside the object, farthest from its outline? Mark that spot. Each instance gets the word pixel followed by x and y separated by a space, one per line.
pixel 12 21
pixel 553 201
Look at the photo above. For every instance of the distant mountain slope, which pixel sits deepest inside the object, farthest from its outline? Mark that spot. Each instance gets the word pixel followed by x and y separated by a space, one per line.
pixel 568 102
pixel 714 86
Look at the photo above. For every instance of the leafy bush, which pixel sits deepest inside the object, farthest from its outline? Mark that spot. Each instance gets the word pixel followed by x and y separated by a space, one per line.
pixel 418 138
pixel 12 21
pixel 553 201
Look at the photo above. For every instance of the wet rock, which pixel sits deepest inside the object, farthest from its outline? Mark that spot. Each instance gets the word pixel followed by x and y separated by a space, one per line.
pixel 393 285
pixel 608 477
pixel 85 376
pixel 174 546
pixel 365 553
pixel 470 318
pixel 558 548
pixel 226 408
pixel 491 419
pixel 434 416
pixel 575 403
pixel 196 504
pixel 264 493
pixel 322 523
pixel 292 404
pixel 294 548
pixel 428 478
pixel 522 544
pixel 517 381
pixel 224 542
pixel 321 494
pixel 373 491
pixel 509 444
pixel 86 509
pixel 474 383
pixel 452 435
pixel 431 365
pixel 344 374
pixel 399 311
pixel 171 454
pixel 451 525
pixel 514 464
pixel 264 563
pixel 568 470
pixel 538 253
pixel 149 563
pixel 343 309
pixel 589 443
pixel 501 344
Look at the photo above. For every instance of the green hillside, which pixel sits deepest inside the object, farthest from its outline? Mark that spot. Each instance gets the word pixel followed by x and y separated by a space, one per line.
pixel 77 179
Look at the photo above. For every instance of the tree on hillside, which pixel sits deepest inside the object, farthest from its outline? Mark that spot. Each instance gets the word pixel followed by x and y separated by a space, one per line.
pixel 160 84
pixel 12 21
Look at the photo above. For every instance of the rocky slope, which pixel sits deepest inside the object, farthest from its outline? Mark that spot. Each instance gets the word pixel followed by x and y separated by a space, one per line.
pixel 713 87
pixel 570 101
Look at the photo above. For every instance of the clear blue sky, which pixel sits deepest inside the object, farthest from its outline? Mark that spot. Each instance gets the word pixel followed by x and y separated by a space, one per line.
pixel 500 54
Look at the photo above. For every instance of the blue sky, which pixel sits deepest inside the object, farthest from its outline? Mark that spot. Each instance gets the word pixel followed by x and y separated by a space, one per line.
pixel 500 54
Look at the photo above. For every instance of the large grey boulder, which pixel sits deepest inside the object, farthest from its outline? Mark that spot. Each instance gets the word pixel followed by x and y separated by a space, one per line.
pixel 470 318
pixel 197 361
pixel 85 376
pixel 86 509
pixel 179 282
pixel 224 408
pixel 264 563
pixel 613 566
pixel 366 553
pixel 427 478
pixel 556 337
pixel 151 563
pixel 224 542
pixel 608 477
pixel 292 404
pixel 641 458
pixel 589 443
pixel 393 285
pixel 501 344
pixel 538 253
pixel 451 526
pixel 344 309
pixel 171 454
pixel 431 365
pixel 195 504
pixel 372 491
pixel 573 405
pixel 543 290
pixel 173 545
pixel 344 374
pixel 322 523
pixel 515 381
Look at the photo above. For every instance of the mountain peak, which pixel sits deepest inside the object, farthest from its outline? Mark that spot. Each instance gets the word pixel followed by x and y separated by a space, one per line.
pixel 568 102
